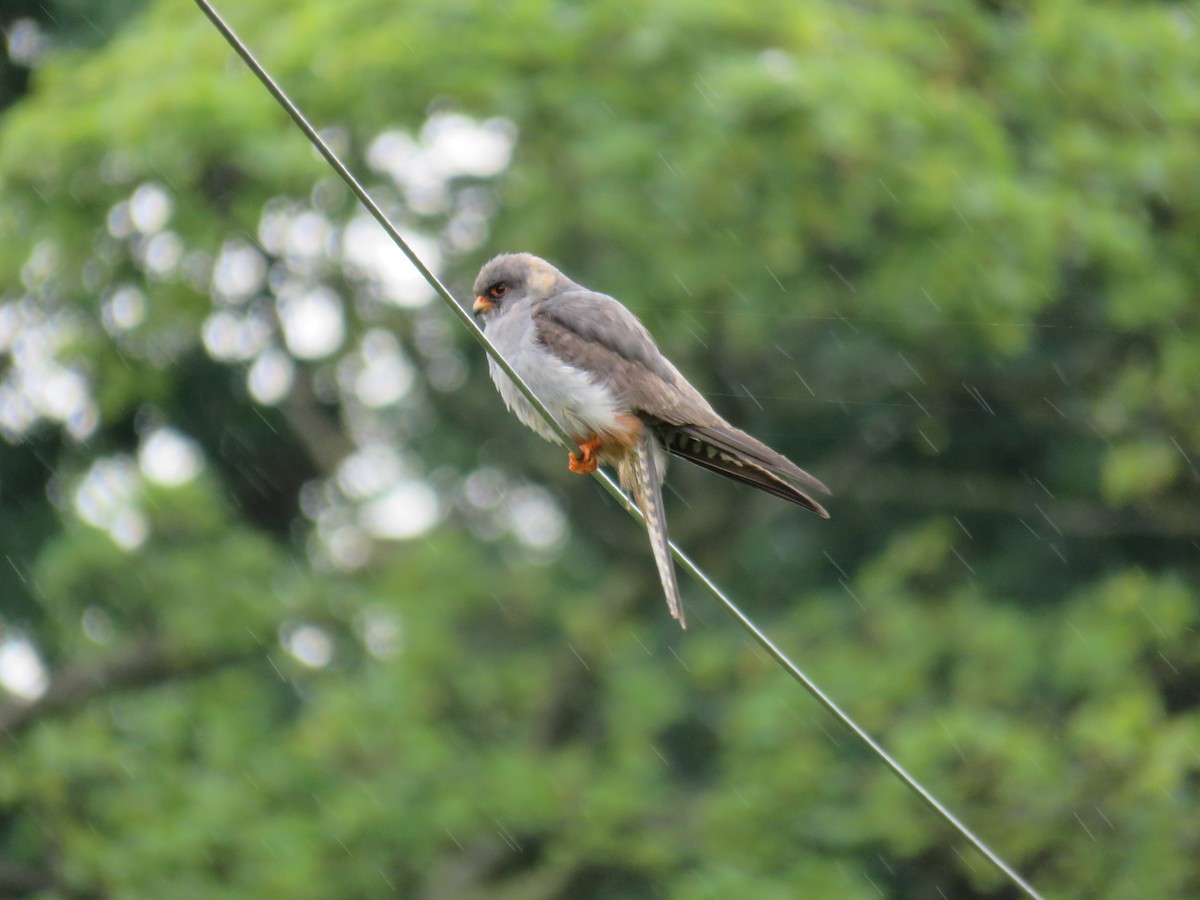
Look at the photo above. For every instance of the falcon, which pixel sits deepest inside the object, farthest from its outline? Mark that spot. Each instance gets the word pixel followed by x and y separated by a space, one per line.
pixel 597 370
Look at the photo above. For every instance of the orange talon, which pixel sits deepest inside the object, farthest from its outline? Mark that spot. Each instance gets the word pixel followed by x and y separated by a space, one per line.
pixel 588 462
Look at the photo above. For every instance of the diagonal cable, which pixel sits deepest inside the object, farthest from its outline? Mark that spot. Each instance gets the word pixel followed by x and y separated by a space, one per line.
pixel 611 486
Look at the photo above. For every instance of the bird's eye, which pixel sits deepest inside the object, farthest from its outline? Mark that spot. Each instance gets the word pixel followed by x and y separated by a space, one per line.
pixel 498 290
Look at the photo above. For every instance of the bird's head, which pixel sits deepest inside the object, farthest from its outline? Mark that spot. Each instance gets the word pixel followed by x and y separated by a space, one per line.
pixel 511 278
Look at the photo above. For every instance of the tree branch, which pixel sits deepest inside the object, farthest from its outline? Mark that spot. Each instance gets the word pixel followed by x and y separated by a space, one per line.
pixel 145 664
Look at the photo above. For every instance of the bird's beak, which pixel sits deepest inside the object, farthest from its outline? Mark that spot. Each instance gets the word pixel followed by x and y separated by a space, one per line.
pixel 482 305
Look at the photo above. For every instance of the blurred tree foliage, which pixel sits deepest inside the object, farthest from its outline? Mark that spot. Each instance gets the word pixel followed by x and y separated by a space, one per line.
pixel 316 618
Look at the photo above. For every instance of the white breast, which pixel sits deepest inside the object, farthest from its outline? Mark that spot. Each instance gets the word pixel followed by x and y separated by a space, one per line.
pixel 580 404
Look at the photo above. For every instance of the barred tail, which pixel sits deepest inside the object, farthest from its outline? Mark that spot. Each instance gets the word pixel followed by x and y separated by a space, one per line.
pixel 641 475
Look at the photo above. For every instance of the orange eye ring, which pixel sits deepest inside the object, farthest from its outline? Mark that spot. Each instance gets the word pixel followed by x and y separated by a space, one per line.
pixel 496 291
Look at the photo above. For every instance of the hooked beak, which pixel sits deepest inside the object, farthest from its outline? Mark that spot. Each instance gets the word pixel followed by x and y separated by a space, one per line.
pixel 482 305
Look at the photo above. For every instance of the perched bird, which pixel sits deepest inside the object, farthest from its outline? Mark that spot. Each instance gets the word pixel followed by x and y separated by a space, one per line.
pixel 600 374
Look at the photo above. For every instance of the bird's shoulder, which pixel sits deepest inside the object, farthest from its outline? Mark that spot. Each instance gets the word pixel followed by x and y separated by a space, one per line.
pixel 596 333
pixel 580 326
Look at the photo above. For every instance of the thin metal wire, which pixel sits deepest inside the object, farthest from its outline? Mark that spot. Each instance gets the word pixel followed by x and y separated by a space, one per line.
pixel 610 485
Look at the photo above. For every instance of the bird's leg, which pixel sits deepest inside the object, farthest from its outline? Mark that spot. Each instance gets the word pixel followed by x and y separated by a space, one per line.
pixel 587 462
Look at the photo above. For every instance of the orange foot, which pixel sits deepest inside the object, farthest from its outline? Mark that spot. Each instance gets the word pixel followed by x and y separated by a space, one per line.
pixel 587 462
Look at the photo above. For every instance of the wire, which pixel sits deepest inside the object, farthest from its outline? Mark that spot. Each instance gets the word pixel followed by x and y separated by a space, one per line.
pixel 696 572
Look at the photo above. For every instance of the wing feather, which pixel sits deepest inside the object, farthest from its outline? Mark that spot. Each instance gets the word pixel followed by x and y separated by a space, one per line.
pixel 740 468
pixel 596 334
pixel 744 447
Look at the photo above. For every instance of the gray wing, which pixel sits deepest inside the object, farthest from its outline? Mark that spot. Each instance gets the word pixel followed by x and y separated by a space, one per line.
pixel 731 452
pixel 595 333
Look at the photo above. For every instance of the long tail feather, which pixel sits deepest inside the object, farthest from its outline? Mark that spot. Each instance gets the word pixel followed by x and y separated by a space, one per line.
pixel 641 474
pixel 736 455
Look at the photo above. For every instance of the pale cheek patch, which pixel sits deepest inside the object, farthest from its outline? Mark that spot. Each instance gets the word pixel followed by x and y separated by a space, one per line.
pixel 541 282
